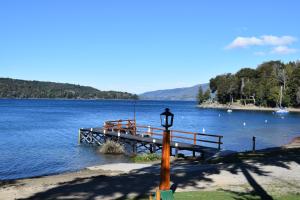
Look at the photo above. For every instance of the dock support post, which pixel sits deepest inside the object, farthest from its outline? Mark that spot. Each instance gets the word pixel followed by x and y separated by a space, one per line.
pixel 153 146
pixel 253 144
pixel 194 154
pixel 219 144
pixel 176 149
pixel 134 148
pixel 202 155
pixel 79 136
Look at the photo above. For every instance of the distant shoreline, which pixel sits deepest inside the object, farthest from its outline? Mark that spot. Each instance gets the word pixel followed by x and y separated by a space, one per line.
pixel 81 99
pixel 96 99
pixel 236 106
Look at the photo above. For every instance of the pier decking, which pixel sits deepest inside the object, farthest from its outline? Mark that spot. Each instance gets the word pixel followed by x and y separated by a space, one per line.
pixel 149 138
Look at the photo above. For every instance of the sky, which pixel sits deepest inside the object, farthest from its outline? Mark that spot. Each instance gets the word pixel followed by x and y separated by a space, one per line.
pixel 139 46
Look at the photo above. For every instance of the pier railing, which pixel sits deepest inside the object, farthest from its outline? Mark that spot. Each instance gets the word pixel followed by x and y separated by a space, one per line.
pixel 130 127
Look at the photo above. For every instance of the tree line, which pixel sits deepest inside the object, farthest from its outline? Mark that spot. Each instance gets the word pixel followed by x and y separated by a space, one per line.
pixel 14 88
pixel 271 84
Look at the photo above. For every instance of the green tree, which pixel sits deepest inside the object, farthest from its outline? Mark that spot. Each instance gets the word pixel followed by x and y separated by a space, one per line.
pixel 261 85
pixel 200 96
pixel 294 87
pixel 206 95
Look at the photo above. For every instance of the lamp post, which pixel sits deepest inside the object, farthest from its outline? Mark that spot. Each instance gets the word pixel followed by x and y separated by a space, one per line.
pixel 166 119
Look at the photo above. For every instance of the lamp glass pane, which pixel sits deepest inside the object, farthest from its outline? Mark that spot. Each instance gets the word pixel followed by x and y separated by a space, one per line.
pixel 162 120
pixel 170 122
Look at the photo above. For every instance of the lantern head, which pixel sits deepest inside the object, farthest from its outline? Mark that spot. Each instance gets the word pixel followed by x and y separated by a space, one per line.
pixel 166 118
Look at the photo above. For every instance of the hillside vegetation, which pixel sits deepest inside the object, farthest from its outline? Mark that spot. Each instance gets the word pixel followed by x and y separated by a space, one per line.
pixel 14 88
pixel 261 86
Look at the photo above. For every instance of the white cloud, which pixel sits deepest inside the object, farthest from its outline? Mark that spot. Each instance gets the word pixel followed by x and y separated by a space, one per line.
pixel 278 41
pixel 283 50
pixel 265 40
pixel 242 42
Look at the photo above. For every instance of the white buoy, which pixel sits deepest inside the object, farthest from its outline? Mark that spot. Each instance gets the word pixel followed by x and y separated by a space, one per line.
pixel 153 140
pixel 119 133
pixel 149 129
pixel 203 130
pixel 244 124
pixel 176 144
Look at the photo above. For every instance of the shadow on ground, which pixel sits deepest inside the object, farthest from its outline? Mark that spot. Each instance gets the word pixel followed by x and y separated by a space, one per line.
pixel 184 174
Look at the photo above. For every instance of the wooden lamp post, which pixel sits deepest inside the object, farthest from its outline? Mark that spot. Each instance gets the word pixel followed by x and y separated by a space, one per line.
pixel 166 119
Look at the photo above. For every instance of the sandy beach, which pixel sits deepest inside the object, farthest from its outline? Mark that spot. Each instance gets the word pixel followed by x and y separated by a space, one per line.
pixel 275 171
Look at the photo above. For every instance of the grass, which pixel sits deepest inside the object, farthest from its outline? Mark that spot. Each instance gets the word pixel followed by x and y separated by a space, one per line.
pixel 227 195
pixel 146 157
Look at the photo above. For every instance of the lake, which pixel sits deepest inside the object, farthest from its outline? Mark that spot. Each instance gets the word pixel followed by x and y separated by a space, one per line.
pixel 39 137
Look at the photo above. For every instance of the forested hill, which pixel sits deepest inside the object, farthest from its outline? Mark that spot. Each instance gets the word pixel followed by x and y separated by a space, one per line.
pixel 14 88
pixel 261 86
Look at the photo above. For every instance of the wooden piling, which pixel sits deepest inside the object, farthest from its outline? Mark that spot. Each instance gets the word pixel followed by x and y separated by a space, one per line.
pixel 219 144
pixel 153 148
pixel 79 136
pixel 253 144
pixel 134 147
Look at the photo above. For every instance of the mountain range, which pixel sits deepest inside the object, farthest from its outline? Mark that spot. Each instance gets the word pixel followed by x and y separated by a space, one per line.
pixel 186 93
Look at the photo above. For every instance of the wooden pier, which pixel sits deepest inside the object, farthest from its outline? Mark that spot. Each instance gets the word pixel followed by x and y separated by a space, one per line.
pixel 147 138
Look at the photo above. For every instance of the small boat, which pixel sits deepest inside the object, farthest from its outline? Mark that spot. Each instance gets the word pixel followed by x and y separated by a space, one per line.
pixel 229 111
pixel 281 111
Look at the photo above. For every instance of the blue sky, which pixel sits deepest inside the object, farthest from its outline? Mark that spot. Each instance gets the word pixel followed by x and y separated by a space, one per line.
pixel 139 46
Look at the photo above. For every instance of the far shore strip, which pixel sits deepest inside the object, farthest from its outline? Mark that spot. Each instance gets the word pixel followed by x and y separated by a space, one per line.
pixel 241 107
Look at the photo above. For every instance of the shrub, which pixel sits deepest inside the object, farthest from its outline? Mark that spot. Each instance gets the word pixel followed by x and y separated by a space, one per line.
pixel 112 147
pixel 146 157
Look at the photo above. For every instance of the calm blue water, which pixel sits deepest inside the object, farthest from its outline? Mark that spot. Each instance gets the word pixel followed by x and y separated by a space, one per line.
pixel 39 137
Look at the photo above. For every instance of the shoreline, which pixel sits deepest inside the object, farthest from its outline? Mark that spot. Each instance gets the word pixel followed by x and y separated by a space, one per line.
pixel 127 180
pixel 294 143
pixel 241 107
